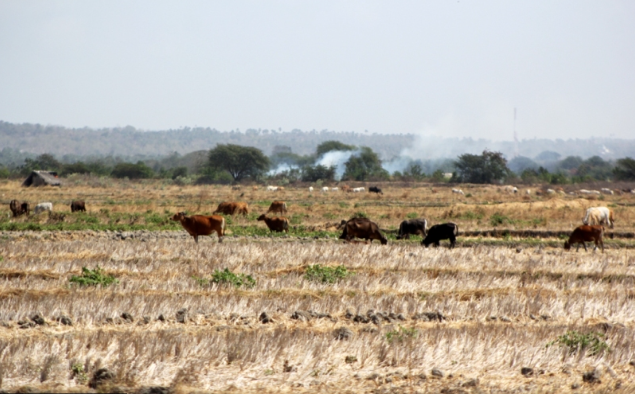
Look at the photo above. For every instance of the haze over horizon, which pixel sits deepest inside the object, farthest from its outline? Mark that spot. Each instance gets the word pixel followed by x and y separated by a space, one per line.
pixel 451 69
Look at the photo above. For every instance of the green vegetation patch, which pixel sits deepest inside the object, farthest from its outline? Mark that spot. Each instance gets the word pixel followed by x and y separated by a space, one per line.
pixel 593 342
pixel 94 277
pixel 401 334
pixel 323 274
pixel 227 277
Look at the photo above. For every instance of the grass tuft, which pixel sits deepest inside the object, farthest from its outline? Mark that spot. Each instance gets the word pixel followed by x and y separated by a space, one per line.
pixel 93 278
pixel 318 273
pixel 576 341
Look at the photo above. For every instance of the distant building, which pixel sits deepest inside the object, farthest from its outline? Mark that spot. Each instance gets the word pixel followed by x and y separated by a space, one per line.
pixel 42 178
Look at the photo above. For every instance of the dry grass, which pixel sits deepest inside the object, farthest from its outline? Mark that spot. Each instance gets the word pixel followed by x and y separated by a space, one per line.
pixel 501 306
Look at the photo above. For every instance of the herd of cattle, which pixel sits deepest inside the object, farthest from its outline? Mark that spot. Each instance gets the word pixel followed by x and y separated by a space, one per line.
pixel 592 229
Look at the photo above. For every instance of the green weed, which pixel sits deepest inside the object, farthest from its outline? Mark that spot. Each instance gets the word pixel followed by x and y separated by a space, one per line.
pixel 401 334
pixel 226 277
pixel 93 278
pixel 575 341
pixel 318 273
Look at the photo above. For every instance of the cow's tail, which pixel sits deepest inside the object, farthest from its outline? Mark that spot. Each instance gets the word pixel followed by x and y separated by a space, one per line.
pixel 585 221
pixel 284 206
pixel 456 230
pixel 222 227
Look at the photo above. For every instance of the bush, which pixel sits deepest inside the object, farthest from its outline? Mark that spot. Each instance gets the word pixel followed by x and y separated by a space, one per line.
pixel 499 219
pixel 93 278
pixel 577 342
pixel 318 273
pixel 132 171
pixel 226 277
pixel 401 334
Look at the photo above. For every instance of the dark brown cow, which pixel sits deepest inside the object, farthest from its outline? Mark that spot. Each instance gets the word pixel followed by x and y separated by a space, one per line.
pixel 414 227
pixel 441 231
pixel 197 225
pixel 232 208
pixel 278 207
pixel 278 224
pixel 78 205
pixel 19 208
pixel 364 229
pixel 584 234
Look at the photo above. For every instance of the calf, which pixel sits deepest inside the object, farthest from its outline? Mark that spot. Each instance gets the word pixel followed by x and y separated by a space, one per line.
pixel 197 225
pixel 19 208
pixel 278 224
pixel 584 234
pixel 44 206
pixel 78 205
pixel 375 189
pixel 458 191
pixel 441 231
pixel 232 208
pixel 414 227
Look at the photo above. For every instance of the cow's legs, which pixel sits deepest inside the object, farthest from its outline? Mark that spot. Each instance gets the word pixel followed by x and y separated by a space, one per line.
pixel 452 242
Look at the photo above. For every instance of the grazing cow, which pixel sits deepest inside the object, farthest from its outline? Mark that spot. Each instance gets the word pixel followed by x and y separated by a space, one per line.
pixel 254 188
pixel 197 225
pixel 364 229
pixel 375 189
pixel 414 227
pixel 441 231
pixel 458 191
pixel 551 191
pixel 584 234
pixel 607 190
pixel 584 191
pixel 278 224
pixel 359 189
pixel 19 208
pixel 272 188
pixel 44 206
pixel 510 189
pixel 325 189
pixel 527 192
pixel 346 188
pixel 310 189
pixel 232 208
pixel 278 207
pixel 335 189
pixel 599 215
pixel 78 205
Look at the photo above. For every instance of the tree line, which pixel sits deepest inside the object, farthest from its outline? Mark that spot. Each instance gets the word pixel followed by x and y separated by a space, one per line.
pixel 230 163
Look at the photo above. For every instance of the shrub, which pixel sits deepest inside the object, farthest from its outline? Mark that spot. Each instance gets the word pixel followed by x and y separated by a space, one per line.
pixel 132 171
pixel 359 214
pixel 318 273
pixel 575 341
pixel 499 219
pixel 226 277
pixel 401 334
pixel 93 278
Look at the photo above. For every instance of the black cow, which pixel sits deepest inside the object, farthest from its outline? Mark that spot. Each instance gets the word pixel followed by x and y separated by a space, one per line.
pixel 19 208
pixel 364 229
pixel 375 189
pixel 414 227
pixel 78 205
pixel 439 232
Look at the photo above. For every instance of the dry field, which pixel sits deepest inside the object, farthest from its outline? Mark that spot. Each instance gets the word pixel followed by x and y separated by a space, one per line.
pixel 475 315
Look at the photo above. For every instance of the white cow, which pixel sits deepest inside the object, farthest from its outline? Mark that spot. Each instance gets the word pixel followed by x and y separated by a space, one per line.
pixel 607 191
pixel 527 192
pixel 272 188
pixel 325 189
pixel 44 206
pixel 458 191
pixel 511 189
pixel 599 215
pixel 334 189
pixel 551 191
pixel 358 189
pixel 310 189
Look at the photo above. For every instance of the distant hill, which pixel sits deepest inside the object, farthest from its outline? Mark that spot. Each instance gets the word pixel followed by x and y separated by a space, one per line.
pixel 128 142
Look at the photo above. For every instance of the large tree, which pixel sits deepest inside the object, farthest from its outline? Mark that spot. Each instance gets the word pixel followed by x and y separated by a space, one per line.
pixel 625 169
pixel 364 166
pixel 490 167
pixel 240 161
pixel 328 146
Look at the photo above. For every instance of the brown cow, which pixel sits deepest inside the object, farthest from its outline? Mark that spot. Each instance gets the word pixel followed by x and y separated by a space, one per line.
pixel 232 208
pixel 278 224
pixel 346 188
pixel 78 205
pixel 19 208
pixel 584 234
pixel 364 229
pixel 277 207
pixel 197 225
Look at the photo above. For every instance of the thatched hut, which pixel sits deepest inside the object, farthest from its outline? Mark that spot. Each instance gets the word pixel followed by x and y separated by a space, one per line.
pixel 42 178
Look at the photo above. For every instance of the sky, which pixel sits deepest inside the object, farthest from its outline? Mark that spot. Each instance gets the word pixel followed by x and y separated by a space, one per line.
pixel 430 68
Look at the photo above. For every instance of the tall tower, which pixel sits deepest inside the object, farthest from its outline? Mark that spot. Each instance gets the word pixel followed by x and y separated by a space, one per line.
pixel 516 153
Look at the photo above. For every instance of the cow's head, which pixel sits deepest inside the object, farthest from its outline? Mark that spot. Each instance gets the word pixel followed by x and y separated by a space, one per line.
pixel 567 245
pixel 262 217
pixel 178 216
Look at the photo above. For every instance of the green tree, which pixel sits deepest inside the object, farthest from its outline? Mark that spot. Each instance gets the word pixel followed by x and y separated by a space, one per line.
pixel 363 166
pixel 414 171
pixel 315 173
pixel 132 171
pixel 625 169
pixel 75 168
pixel 328 146
pixel 596 168
pixel 239 161
pixel 490 167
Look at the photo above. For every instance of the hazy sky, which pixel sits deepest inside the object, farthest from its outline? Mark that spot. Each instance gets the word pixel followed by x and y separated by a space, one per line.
pixel 450 68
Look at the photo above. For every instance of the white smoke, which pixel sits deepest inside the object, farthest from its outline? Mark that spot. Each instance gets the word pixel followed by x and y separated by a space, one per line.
pixel 337 158
pixel 281 168
pixel 399 163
